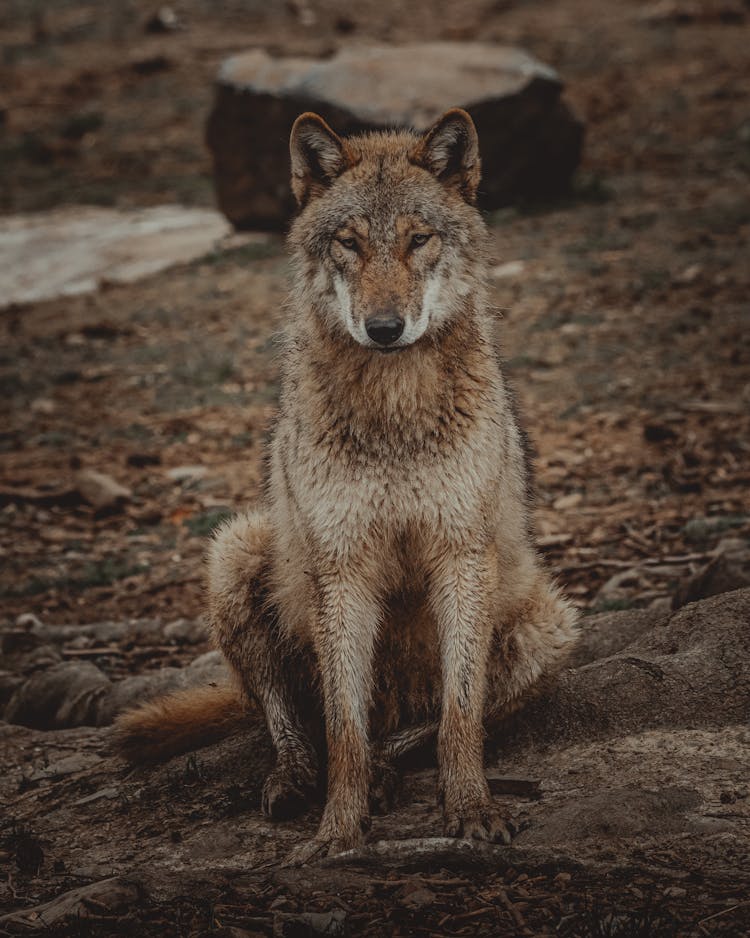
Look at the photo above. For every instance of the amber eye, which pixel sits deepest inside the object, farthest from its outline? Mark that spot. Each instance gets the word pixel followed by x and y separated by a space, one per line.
pixel 418 240
pixel 349 243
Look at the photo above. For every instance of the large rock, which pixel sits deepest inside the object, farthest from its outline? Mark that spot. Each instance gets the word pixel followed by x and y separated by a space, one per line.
pixel 78 693
pixel 687 669
pixel 95 900
pixel 530 141
pixel 77 249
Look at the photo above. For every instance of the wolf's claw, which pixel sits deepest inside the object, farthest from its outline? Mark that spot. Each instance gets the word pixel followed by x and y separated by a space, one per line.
pixel 317 848
pixel 384 787
pixel 486 823
pixel 286 794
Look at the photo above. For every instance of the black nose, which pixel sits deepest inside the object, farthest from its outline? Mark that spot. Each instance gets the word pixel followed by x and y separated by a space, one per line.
pixel 384 330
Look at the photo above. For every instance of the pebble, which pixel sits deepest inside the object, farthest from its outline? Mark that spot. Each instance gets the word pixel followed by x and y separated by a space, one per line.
pixel 565 502
pixel 508 270
pixel 186 473
pixel 101 490
pixel 418 899
pixel 675 892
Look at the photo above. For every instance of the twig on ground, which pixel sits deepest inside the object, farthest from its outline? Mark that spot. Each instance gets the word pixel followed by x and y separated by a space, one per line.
pixel 515 913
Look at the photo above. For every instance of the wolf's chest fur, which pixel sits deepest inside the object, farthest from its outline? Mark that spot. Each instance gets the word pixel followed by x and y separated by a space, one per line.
pixel 380 458
pixel 375 449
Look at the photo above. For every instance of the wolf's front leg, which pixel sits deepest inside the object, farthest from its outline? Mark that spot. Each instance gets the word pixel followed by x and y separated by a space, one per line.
pixel 344 638
pixel 463 585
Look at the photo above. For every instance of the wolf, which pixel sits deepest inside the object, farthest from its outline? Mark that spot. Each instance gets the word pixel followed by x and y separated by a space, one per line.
pixel 388 590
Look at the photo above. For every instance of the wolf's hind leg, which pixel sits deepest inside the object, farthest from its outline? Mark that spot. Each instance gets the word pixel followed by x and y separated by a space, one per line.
pixel 246 629
pixel 529 645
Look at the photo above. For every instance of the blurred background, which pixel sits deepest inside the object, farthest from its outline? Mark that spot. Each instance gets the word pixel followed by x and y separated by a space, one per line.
pixel 138 371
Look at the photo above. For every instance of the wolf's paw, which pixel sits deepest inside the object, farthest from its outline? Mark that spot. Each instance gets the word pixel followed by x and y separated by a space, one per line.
pixel 482 823
pixel 319 847
pixel 384 787
pixel 287 793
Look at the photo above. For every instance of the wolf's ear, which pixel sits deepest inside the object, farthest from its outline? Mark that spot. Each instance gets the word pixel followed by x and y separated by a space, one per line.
pixel 318 156
pixel 450 151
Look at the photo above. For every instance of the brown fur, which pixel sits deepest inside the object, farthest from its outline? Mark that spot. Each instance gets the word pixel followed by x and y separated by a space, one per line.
pixel 388 589
pixel 184 720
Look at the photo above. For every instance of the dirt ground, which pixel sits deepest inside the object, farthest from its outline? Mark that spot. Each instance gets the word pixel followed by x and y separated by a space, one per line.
pixel 624 306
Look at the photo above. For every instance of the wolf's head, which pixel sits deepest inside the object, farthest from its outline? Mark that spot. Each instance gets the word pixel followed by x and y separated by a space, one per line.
pixel 388 243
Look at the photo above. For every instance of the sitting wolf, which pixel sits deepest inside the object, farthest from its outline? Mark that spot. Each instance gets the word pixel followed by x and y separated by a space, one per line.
pixel 388 587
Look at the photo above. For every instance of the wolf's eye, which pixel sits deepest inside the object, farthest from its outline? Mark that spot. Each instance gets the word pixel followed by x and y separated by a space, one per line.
pixel 418 240
pixel 349 243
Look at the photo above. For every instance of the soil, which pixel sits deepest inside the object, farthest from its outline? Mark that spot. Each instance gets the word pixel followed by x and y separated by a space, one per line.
pixel 625 321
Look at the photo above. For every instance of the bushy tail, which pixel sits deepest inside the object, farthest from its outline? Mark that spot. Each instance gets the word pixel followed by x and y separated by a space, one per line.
pixel 181 721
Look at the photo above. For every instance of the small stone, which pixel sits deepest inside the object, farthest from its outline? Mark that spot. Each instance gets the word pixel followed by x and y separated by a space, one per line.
pixel 79 642
pixel 186 473
pixel 418 899
pixel 109 793
pixel 566 502
pixel 675 892
pixel 43 405
pixel 553 356
pixel 279 903
pixel 289 925
pixel 67 765
pixel 727 545
pixel 508 270
pixel 28 621
pixel 661 604
pixel 163 20
pixel 185 631
pixel 43 657
pixel 101 490
pixel 690 274
pixel 208 667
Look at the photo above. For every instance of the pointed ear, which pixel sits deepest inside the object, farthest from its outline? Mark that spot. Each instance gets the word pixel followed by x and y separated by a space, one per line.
pixel 318 156
pixel 450 151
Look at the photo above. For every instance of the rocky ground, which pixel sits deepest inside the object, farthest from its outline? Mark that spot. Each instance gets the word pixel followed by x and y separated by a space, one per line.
pixel 626 785
pixel 626 331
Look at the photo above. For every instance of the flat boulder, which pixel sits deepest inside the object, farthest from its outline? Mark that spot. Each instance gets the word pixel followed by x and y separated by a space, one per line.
pixel 530 140
pixel 78 249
